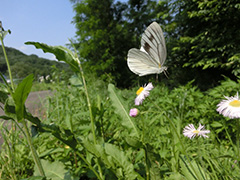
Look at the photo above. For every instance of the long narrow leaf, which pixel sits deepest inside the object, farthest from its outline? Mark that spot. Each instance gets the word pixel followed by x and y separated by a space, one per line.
pixel 118 103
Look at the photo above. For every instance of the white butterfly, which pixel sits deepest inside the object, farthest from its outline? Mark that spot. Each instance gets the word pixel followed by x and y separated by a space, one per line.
pixel 152 54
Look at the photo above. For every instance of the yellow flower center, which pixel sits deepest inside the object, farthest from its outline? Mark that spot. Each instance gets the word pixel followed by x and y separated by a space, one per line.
pixel 235 103
pixel 139 90
pixel 196 131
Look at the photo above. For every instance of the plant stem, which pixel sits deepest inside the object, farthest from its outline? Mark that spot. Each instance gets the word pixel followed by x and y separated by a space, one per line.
pixel 34 153
pixel 8 65
pixel 199 154
pixel 146 161
pixel 88 101
pixel 237 141
pixel 145 149
pixel 90 110
pixel 13 127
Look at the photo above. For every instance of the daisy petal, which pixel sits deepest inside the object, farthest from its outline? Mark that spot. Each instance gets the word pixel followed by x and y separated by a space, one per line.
pixel 190 131
pixel 142 93
pixel 230 107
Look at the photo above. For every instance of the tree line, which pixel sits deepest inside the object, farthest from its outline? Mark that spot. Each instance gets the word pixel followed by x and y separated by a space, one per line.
pixel 22 65
pixel 202 38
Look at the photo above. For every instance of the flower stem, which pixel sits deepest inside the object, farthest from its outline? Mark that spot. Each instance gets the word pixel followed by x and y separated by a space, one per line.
pixel 146 161
pixel 90 110
pixel 145 150
pixel 34 153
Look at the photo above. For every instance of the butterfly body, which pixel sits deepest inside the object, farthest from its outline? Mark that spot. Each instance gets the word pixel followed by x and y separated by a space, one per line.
pixel 149 59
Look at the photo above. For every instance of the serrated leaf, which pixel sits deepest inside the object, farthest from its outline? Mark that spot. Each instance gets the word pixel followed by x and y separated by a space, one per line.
pixel 118 103
pixel 20 96
pixel 61 53
pixel 122 161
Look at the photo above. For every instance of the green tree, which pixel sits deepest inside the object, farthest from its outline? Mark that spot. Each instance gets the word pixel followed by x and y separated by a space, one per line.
pixel 107 30
pixel 207 38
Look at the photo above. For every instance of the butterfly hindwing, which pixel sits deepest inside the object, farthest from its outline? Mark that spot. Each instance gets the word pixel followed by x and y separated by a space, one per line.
pixel 141 63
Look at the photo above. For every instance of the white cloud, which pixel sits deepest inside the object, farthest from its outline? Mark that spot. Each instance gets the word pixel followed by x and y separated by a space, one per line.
pixel 22 48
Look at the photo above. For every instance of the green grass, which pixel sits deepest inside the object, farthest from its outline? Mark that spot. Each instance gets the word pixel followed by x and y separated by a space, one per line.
pixel 161 149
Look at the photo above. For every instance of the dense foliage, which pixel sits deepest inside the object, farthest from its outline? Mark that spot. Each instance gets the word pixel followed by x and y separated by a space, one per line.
pixel 202 37
pixel 207 40
pixel 87 131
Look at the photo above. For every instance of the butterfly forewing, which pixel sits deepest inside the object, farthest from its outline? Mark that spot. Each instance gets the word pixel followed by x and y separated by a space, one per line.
pixel 154 44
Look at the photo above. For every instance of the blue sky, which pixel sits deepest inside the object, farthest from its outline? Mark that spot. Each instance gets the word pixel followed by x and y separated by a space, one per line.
pixel 46 21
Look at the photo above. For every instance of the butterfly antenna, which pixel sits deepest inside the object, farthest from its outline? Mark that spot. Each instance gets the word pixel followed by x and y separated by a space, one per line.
pixel 166 73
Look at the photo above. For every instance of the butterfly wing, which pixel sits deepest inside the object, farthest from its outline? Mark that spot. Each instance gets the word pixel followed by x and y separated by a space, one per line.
pixel 152 55
pixel 140 63
pixel 153 43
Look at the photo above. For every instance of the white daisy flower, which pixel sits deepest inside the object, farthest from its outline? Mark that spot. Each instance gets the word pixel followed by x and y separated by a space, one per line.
pixel 230 107
pixel 191 132
pixel 142 93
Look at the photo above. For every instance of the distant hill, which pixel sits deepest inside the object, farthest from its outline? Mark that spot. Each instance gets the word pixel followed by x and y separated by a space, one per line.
pixel 23 65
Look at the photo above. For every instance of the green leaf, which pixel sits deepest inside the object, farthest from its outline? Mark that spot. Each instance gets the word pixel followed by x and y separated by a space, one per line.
pixel 121 160
pixel 61 53
pixel 118 103
pixel 54 171
pixel 193 172
pixel 76 81
pixel 99 152
pixel 20 96
pixel 216 124
pixel 9 108
pixel 134 142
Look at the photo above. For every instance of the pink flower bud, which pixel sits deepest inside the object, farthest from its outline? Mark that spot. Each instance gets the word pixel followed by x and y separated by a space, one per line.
pixel 133 112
